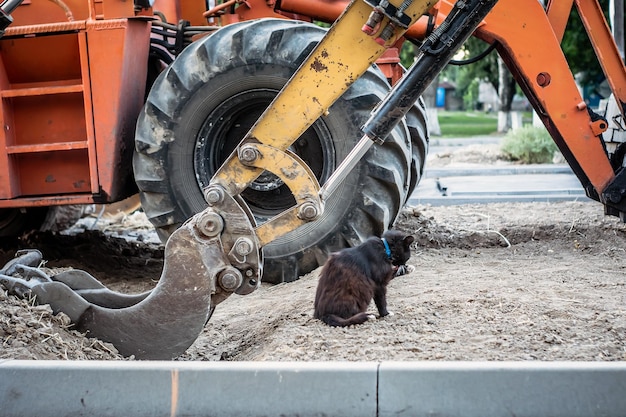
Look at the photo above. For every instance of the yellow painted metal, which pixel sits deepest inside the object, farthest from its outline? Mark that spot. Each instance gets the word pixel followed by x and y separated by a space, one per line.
pixel 286 222
pixel 287 166
pixel 297 175
pixel 342 56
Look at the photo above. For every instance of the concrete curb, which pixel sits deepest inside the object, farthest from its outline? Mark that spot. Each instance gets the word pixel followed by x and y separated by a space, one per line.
pixel 548 169
pixel 436 141
pixel 488 199
pixel 485 389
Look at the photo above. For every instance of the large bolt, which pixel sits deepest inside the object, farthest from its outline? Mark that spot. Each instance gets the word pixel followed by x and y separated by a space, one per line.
pixel 230 279
pixel 214 195
pixel 544 79
pixel 243 246
pixel 248 154
pixel 373 22
pixel 210 224
pixel 308 211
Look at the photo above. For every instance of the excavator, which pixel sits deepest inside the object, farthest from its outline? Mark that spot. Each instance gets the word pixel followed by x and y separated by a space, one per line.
pixel 262 140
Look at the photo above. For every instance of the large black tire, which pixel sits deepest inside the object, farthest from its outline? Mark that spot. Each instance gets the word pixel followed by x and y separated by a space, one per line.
pixel 205 102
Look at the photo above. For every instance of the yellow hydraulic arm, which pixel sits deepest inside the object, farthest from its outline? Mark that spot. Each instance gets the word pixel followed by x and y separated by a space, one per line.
pixel 342 56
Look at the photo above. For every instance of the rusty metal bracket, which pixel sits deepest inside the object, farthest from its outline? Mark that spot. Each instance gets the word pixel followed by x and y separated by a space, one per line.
pixel 393 13
pixel 296 175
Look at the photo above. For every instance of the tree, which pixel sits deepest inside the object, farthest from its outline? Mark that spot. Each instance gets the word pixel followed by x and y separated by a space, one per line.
pixel 488 69
pixel 506 92
pixel 491 68
pixel 576 47
pixel 578 50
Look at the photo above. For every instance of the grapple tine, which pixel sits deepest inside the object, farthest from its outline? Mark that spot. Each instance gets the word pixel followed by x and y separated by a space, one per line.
pixel 95 292
pixel 17 286
pixel 104 297
pixel 32 273
pixel 26 257
pixel 78 280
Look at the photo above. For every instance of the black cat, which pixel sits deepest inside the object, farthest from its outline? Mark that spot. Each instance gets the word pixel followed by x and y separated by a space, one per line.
pixel 351 277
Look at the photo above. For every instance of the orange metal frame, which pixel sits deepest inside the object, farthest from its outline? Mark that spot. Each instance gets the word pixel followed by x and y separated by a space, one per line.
pixel 73 73
pixel 72 82
pixel 529 42
pixel 528 39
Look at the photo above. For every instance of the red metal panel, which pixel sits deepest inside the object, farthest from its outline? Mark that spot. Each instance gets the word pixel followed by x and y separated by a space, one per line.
pixel 53 11
pixel 90 134
pixel 72 122
pixel 49 173
pixel 47 119
pixel 8 183
pixel 43 114
pixel 118 52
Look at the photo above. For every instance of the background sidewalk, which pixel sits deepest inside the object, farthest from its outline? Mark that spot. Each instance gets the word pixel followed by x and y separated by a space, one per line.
pixel 471 173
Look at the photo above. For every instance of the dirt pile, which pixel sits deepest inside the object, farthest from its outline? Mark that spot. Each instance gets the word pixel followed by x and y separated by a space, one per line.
pixel 467 155
pixel 29 331
pixel 507 281
pixel 556 293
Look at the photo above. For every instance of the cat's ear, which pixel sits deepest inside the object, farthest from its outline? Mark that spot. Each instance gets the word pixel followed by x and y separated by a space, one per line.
pixel 408 240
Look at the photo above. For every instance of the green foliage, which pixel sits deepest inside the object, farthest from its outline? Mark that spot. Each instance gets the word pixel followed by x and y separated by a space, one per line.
pixel 463 124
pixel 408 52
pixel 578 50
pixel 467 77
pixel 576 47
pixel 324 25
pixel 486 68
pixel 529 145
pixel 470 98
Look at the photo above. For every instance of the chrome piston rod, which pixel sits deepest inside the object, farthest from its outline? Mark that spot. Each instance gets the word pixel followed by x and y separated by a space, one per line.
pixel 435 54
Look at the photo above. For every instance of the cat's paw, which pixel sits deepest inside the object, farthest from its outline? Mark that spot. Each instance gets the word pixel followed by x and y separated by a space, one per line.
pixel 388 314
pixel 371 317
pixel 404 269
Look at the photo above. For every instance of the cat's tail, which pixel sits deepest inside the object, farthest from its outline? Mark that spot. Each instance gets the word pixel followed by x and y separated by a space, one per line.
pixel 334 320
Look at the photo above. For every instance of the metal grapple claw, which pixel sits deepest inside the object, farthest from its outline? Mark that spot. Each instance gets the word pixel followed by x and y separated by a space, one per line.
pixel 206 260
pixel 24 257
pixel 19 275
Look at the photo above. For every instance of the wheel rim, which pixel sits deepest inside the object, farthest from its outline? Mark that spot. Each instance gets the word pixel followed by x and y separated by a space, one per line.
pixel 222 131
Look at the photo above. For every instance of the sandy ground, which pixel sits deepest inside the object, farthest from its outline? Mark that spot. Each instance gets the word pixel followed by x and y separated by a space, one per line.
pixel 557 293
pixel 517 281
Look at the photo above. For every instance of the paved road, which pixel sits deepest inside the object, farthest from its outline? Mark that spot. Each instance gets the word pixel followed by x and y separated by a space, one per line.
pixel 488 183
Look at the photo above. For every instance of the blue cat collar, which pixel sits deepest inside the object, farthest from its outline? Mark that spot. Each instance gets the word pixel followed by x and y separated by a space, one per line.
pixel 387 250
